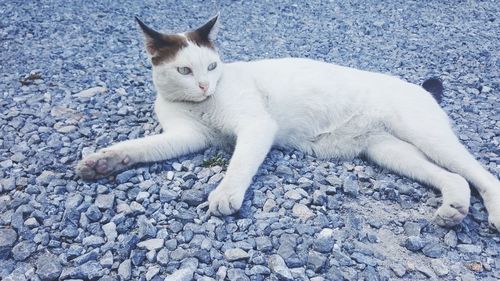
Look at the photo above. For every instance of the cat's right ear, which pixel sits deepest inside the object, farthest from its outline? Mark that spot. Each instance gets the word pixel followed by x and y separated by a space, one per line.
pixel 154 40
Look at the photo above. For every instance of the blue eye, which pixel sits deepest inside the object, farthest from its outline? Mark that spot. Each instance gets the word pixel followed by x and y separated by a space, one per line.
pixel 184 70
pixel 212 66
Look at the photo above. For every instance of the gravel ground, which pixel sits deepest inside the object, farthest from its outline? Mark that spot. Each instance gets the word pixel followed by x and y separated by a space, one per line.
pixel 75 78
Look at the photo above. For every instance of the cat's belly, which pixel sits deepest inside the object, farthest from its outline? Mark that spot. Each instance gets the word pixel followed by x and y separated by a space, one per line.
pixel 339 140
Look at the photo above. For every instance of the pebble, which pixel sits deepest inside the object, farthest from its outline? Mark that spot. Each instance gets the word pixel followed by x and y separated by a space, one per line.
pixel 7 239
pixel 151 244
pixel 48 267
pixel 302 211
pixel 414 243
pixel 88 93
pixel 23 250
pixel 439 267
pixel 351 186
pixel 125 270
pixel 235 254
pixel 277 266
pixel 105 201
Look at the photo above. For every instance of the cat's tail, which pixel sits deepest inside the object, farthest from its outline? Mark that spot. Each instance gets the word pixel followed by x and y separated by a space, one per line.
pixel 435 87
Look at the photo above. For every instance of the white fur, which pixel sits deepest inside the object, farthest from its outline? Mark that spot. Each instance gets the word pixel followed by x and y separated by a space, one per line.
pixel 322 109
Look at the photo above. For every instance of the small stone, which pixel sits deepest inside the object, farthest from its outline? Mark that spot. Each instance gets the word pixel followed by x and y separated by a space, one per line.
pixel 183 274
pixel 23 250
pixel 93 240
pixel 259 270
pixel 398 269
pixel 48 267
pixel 451 239
pixel 469 248
pixel 414 243
pixel 263 243
pixel 475 266
pixel 412 228
pixel 125 176
pixel 107 259
pixel 91 92
pixel 137 208
pixel 293 195
pixel 151 244
pixel 269 205
pixel 93 213
pixel 31 223
pixel 105 201
pixel 110 231
pixel 152 272
pixel 284 171
pixel 235 254
pixel 193 197
pixel 146 228
pixel 302 211
pixel 125 269
pixel 316 261
pixel 167 195
pixel 324 241
pixel 277 265
pixel 439 267
pixel 351 186
pixel 7 238
pixel 162 257
pixel 433 250
pixel 141 196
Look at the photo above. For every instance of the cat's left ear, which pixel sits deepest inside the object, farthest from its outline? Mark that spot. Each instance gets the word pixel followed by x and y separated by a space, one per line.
pixel 208 31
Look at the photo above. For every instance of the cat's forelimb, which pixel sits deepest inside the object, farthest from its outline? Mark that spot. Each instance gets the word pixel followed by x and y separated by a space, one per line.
pixel 124 154
pixel 253 142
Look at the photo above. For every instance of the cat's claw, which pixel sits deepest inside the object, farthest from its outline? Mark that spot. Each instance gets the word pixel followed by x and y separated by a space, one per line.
pixel 101 164
pixel 449 215
pixel 223 201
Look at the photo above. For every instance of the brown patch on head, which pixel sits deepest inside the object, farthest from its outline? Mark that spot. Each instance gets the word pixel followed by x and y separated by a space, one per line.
pixel 161 47
pixel 199 40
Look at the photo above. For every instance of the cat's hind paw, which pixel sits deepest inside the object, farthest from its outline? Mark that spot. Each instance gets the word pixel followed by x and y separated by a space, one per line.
pixel 101 164
pixel 224 201
pixel 449 215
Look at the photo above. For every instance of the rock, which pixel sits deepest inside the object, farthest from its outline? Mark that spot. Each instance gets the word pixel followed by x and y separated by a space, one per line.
pixel 351 185
pixel 302 211
pixel 162 257
pixel 23 250
pixel 93 213
pixel 125 269
pixel 141 196
pixel 439 267
pixel 398 269
pixel 469 248
pixel 237 274
pixel 433 250
pixel 123 177
pixel 88 93
pixel 451 239
pixel 277 266
pixel 283 170
pixel 183 274
pixel 107 259
pixel 414 243
pixel 151 244
pixel 235 254
pixel 193 197
pixel 167 195
pixel 137 208
pixel 105 201
pixel 316 261
pixel 45 177
pixel 110 231
pixel 412 228
pixel 48 267
pixel 93 240
pixel 324 241
pixel 7 238
pixel 146 228
pixel 152 272
pixel 263 244
pixel 259 270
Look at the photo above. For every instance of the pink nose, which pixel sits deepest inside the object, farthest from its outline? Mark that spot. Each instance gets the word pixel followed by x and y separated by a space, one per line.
pixel 203 86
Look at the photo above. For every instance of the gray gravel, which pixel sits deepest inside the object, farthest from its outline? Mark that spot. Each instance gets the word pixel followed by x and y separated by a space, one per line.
pixel 74 78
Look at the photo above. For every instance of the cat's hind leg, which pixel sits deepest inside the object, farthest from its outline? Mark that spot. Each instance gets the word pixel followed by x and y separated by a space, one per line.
pixel 432 134
pixel 405 159
pixel 124 154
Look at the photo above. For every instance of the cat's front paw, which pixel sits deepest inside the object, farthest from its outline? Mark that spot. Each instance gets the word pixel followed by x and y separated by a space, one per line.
pixel 102 163
pixel 451 214
pixel 225 200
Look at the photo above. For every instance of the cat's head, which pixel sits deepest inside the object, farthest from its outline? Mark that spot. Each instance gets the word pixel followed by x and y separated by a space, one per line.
pixel 186 66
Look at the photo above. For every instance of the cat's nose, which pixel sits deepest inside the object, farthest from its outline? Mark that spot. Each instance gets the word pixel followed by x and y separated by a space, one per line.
pixel 203 86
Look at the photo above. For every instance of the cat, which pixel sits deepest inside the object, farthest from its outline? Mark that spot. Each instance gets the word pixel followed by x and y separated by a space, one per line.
pixel 322 109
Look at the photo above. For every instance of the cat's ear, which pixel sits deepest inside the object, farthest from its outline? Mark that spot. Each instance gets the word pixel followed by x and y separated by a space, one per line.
pixel 208 31
pixel 154 40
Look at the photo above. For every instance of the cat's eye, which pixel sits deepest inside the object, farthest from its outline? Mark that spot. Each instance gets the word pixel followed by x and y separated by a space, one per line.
pixel 212 66
pixel 184 70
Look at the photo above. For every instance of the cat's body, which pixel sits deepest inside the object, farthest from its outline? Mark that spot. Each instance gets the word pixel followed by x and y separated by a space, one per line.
pixel 322 109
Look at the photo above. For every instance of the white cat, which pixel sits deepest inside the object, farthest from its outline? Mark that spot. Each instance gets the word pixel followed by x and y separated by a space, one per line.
pixel 322 109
